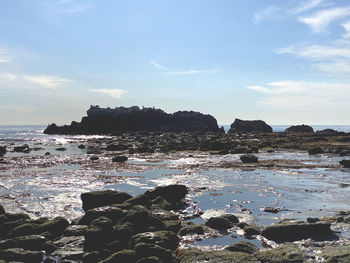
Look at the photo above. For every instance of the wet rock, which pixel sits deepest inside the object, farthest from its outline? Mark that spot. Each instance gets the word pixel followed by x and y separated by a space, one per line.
pixel 98 234
pixel 103 198
pixel 112 212
pixel 91 257
pixel 164 239
pixel 75 230
pixel 8 243
pixel 312 219
pixel 94 158
pixel 171 193
pixel 315 150
pixel 143 220
pixel 69 248
pixel 219 223
pixel 287 253
pixel 2 150
pixel 126 255
pixel 270 209
pixel 81 146
pixel 249 158
pixel 252 230
pixel 336 254
pixel 146 250
pixel 145 149
pixel 190 228
pixel 300 128
pixel 292 231
pixel 152 259
pixel 119 159
pixel 55 226
pixel 21 255
pixel 21 148
pixel 32 242
pixel 243 246
pixel 345 163
pixel 61 149
pixel 123 232
pixel 116 147
pixel 160 203
pixel 249 126
pixel 215 256
pixel 2 210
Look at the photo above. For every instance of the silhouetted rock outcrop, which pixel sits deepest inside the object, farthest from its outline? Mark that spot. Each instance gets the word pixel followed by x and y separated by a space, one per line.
pixel 249 126
pixel 121 119
pixel 300 128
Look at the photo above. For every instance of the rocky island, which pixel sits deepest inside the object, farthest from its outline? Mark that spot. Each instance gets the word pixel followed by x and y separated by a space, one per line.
pixel 121 119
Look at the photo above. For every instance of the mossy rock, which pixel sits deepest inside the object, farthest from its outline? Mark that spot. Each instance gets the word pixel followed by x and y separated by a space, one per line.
pixel 336 254
pixel 287 253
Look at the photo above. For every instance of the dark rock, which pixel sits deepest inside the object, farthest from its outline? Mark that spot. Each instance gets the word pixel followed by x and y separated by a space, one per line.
pixel 76 230
pixel 112 212
pixel 219 223
pixel 126 255
pixel 21 255
pixel 94 158
pixel 81 146
pixel 119 159
pixel 123 232
pixel 270 209
pixel 249 158
pixel 249 126
pixel 251 230
pixel 61 149
pixel 292 231
pixel 287 253
pixel 315 150
pixel 345 163
pixel 312 219
pixel 243 246
pixel 146 250
pixel 2 210
pixel 2 150
pixel 300 128
pixel 103 198
pixel 191 228
pixel 164 239
pixel 143 220
pixel 69 248
pixel 98 234
pixel 335 254
pixel 8 243
pixel 152 259
pixel 116 147
pixel 107 121
pixel 55 226
pixel 21 148
pixel 171 193
pixel 91 257
pixel 32 242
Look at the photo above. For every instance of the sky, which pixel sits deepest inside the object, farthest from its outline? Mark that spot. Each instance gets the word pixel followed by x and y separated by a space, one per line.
pixel 285 62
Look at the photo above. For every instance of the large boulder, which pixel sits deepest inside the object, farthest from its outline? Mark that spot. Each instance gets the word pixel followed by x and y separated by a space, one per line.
pixel 249 126
pixel 103 198
pixel 300 128
pixel 292 231
pixel 2 150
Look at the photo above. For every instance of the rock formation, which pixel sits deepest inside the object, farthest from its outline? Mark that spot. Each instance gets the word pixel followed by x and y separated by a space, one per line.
pixel 249 126
pixel 121 119
pixel 300 128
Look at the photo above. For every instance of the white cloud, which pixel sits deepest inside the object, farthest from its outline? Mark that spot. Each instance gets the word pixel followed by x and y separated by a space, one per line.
pixel 191 72
pixel 304 96
pixel 336 67
pixel 157 66
pixel 4 56
pixel 317 52
pixel 321 19
pixel 267 13
pixel 306 5
pixel 50 82
pixel 346 26
pixel 114 93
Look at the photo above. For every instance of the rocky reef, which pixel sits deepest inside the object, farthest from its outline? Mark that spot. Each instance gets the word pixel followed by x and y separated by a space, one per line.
pixel 121 119
pixel 249 126
pixel 300 128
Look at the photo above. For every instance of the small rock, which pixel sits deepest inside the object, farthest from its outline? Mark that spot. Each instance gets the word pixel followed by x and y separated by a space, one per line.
pixel 345 163
pixel 249 158
pixel 243 246
pixel 119 159
pixel 103 198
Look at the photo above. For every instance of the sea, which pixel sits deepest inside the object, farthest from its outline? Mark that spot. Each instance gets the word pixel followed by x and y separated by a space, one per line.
pixel 47 182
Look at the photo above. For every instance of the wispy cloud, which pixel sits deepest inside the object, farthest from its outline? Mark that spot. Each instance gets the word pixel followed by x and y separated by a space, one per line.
pixel 50 82
pixel 114 93
pixel 303 95
pixel 319 21
pixel 346 26
pixel 157 65
pixel 191 72
pixel 317 52
pixel 4 56
pixel 267 13
pixel 306 6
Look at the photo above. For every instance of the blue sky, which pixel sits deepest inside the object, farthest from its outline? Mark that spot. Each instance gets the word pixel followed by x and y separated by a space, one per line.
pixel 286 62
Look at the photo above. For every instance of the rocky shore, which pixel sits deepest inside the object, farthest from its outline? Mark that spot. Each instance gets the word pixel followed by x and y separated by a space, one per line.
pixel 150 227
